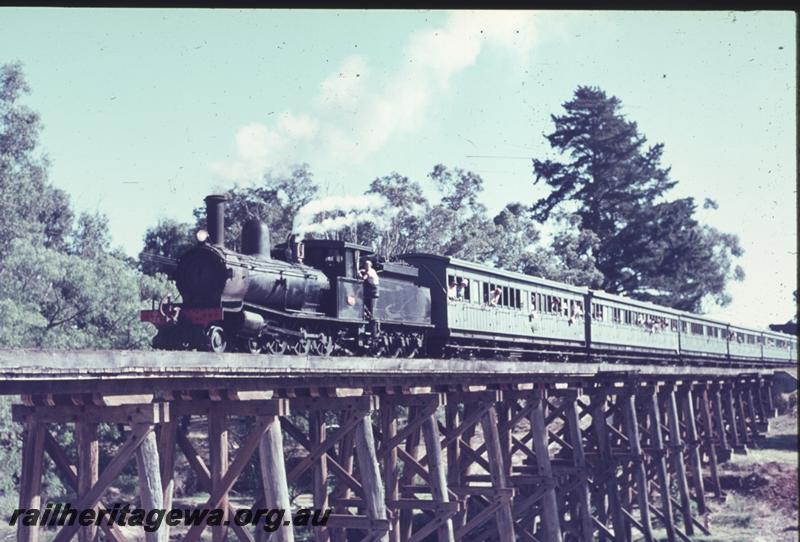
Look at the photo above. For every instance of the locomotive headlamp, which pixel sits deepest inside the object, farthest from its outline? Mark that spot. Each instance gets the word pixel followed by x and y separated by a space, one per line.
pixel 202 236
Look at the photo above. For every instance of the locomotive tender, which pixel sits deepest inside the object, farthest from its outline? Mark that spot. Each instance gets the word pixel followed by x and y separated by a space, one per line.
pixel 307 298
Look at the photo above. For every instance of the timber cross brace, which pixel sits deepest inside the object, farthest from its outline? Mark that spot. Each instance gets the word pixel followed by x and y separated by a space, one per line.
pixel 609 457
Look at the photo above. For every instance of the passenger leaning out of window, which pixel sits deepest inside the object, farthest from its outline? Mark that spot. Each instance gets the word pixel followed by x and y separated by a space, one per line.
pixel 577 314
pixel 451 289
pixel 461 288
pixel 496 294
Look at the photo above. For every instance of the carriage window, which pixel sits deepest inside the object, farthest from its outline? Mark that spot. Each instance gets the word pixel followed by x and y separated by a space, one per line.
pixel 616 315
pixel 673 324
pixel 697 329
pixel 518 296
pixel 534 305
pixel 485 292
pixel 597 311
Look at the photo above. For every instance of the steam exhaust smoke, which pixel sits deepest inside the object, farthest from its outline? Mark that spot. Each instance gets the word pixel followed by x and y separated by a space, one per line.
pixel 334 213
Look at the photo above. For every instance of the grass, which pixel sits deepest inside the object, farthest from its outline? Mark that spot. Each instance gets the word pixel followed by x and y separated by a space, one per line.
pixel 750 517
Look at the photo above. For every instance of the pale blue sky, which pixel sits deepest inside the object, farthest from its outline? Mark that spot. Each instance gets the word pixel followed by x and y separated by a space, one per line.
pixel 146 111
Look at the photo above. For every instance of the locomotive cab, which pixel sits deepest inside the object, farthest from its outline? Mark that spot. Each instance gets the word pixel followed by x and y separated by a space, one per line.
pixel 339 261
pixel 334 258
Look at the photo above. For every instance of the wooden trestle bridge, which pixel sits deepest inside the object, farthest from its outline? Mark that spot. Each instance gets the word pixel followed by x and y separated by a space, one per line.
pixel 401 450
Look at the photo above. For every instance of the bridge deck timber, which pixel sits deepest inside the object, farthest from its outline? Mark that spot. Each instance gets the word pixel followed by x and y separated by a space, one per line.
pixel 400 449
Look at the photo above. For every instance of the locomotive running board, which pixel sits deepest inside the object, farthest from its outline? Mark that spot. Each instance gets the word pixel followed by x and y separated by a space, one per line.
pixel 297 315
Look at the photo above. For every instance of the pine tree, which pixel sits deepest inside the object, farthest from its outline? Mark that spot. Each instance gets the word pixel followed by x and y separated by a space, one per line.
pixel 647 247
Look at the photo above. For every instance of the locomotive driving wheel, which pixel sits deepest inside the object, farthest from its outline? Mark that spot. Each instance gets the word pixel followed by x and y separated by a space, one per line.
pixel 395 348
pixel 216 339
pixel 251 345
pixel 322 345
pixel 302 346
pixel 275 346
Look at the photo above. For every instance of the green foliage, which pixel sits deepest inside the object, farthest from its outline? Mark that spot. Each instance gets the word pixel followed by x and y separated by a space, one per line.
pixel 10 455
pixel 62 285
pixel 643 245
pixel 404 197
pixel 90 238
pixel 23 171
pixel 54 299
pixel 163 242
pixel 456 225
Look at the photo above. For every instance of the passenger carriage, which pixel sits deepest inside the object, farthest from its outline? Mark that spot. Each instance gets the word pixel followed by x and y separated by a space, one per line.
pixel 621 323
pixel 703 337
pixel 527 311
pixel 779 347
pixel 744 343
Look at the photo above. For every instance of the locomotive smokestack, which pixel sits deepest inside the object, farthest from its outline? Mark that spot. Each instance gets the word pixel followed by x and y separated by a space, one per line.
pixel 215 217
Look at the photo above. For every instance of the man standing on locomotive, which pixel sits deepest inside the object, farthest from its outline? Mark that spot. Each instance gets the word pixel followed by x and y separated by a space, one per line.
pixel 371 282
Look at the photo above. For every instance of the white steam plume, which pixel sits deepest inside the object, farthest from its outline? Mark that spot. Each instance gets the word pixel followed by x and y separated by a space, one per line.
pixel 333 213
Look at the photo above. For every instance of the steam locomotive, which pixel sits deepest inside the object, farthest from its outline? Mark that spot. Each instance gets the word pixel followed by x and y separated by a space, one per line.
pixel 301 297
pixel 307 297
